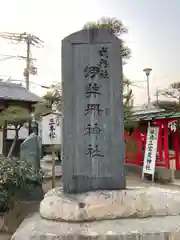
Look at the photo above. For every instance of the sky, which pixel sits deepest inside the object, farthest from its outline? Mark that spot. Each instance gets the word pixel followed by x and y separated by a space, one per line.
pixel 153 36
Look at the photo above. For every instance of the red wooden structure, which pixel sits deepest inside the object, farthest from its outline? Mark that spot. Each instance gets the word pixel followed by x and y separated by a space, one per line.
pixel 168 139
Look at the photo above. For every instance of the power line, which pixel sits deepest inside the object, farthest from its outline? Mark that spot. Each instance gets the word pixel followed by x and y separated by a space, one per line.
pixel 30 40
pixel 7 57
pixel 15 80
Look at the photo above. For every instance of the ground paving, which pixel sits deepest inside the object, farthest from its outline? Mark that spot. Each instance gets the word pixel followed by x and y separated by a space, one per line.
pixel 132 180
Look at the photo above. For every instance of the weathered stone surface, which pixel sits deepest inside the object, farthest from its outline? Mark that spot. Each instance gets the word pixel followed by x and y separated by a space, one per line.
pixel 133 202
pixel 93 113
pixel 31 151
pixel 155 228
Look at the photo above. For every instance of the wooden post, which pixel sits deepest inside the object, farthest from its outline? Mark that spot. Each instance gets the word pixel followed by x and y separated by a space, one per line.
pixel 53 168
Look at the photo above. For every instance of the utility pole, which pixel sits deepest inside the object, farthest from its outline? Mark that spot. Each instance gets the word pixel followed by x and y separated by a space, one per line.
pixel 157 96
pixel 29 39
pixel 26 74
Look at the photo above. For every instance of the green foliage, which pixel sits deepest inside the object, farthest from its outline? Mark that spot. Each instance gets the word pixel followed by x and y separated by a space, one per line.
pixel 128 104
pixel 114 26
pixel 128 122
pixel 52 98
pixel 16 176
pixel 17 116
pixel 14 115
pixel 127 93
pixel 41 108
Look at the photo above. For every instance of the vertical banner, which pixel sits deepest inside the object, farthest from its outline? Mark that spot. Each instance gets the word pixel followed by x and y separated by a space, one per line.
pixel 151 150
pixel 51 129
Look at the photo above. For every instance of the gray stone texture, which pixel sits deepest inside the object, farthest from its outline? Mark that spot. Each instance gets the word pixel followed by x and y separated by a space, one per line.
pixel 102 205
pixel 155 228
pixel 82 172
pixel 31 151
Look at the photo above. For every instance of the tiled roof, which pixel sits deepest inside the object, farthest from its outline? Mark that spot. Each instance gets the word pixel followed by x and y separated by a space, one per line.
pixel 12 91
pixel 156 116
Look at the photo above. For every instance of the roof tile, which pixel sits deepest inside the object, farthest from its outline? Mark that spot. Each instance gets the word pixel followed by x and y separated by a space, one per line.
pixel 12 91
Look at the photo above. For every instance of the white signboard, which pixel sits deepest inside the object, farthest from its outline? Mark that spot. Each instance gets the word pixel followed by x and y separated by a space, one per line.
pixel 151 150
pixel 51 129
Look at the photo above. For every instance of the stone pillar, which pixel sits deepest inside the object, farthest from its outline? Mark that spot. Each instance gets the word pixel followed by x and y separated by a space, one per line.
pixel 93 119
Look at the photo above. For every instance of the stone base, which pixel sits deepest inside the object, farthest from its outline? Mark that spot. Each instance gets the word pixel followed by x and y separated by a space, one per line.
pixel 102 205
pixel 134 213
pixel 158 228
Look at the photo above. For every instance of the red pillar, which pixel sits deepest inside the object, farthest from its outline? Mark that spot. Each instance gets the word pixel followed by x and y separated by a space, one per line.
pixel 176 148
pixel 166 144
pixel 160 139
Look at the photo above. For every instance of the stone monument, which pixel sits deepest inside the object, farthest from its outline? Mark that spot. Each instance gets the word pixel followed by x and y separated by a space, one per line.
pixel 93 119
pixel 30 152
pixel 94 201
